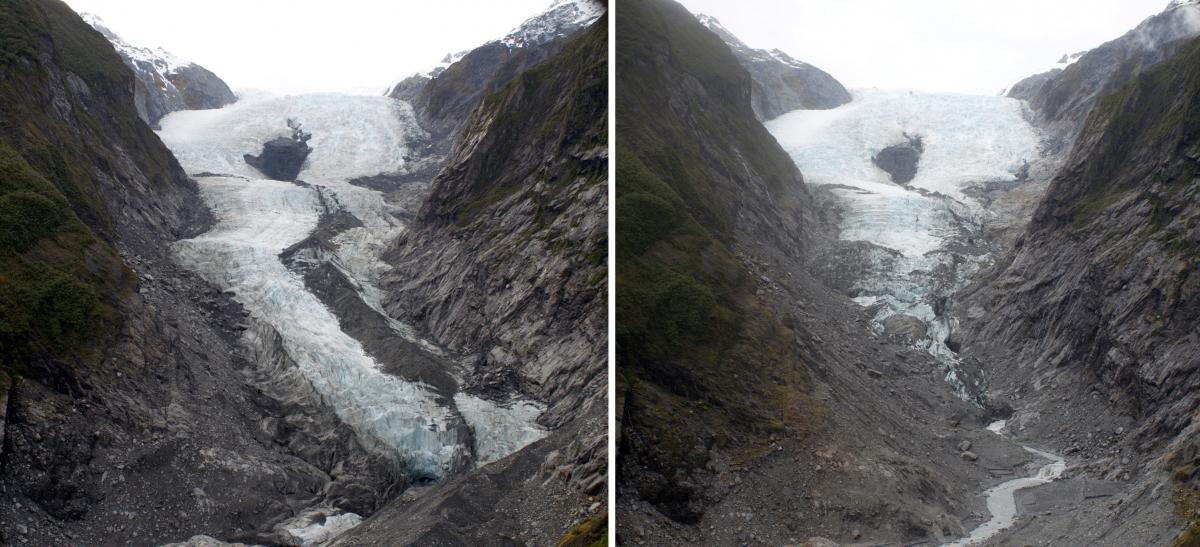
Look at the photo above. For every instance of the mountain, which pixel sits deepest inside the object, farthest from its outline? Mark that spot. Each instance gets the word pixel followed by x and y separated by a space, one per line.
pixel 1099 298
pixel 1063 98
pixel 738 370
pixel 125 386
pixel 444 98
pixel 165 83
pixel 516 224
pixel 781 83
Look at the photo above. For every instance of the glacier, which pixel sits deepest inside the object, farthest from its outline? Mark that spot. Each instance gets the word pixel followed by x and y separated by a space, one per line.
pixel 257 219
pixel 927 235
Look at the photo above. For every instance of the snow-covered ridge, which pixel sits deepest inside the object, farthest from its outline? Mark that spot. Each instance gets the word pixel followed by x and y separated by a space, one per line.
pixel 711 23
pixel 563 18
pixel 162 60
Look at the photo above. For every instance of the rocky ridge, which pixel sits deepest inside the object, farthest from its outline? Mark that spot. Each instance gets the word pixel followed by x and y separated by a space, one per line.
pixel 781 84
pixel 445 97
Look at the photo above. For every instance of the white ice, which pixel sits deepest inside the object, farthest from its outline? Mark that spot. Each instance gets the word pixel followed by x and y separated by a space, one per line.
pixel 352 136
pixel 499 429
pixel 257 220
pixel 312 534
pixel 967 138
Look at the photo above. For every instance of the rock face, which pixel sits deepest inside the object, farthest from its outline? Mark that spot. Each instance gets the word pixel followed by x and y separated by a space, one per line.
pixel 1101 292
pixel 516 222
pixel 781 84
pixel 901 160
pixel 164 82
pixel 130 390
pixel 283 158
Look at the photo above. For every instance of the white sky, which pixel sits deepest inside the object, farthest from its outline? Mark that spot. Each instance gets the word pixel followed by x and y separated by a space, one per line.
pixel 969 46
pixel 343 45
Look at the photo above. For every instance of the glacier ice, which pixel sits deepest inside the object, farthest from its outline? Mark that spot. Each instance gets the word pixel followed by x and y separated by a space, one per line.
pixel 922 229
pixel 258 218
pixel 500 429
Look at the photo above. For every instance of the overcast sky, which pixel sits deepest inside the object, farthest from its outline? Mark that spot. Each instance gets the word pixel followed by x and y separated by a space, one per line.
pixel 970 46
pixel 293 46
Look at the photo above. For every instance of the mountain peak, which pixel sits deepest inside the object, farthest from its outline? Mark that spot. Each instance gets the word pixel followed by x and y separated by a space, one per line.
pixel 563 17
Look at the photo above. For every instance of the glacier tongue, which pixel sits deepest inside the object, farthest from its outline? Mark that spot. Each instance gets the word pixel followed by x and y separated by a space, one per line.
pixel 257 219
pixel 928 234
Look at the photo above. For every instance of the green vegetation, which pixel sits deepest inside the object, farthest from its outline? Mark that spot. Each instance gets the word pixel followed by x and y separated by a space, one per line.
pixel 1156 110
pixel 61 136
pixel 1184 465
pixel 590 532
pixel 54 271
pixel 703 362
pixel 558 106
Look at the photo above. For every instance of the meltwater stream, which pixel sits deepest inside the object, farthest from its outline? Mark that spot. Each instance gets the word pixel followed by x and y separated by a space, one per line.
pixel 1001 499
pixel 353 136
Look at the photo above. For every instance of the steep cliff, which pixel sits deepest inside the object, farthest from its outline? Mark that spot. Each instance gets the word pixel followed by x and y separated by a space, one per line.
pixel 1099 299
pixel 506 263
pixel 165 83
pixel 737 370
pixel 133 414
pixel 781 84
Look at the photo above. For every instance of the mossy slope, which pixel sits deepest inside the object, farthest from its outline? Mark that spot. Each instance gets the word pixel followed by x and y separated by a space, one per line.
pixel 71 150
pixel 703 363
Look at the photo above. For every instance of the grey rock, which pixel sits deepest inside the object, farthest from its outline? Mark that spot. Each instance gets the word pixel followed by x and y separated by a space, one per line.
pixel 970 456
pixel 900 161
pixel 283 158
pixel 964 446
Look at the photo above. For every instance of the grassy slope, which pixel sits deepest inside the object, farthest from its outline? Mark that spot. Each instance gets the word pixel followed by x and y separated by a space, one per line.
pixel 702 362
pixel 60 278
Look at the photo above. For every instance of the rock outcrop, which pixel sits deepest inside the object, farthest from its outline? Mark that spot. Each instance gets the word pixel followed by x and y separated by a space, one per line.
pixel 900 161
pixel 165 83
pixel 516 224
pixel 781 84
pixel 283 158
